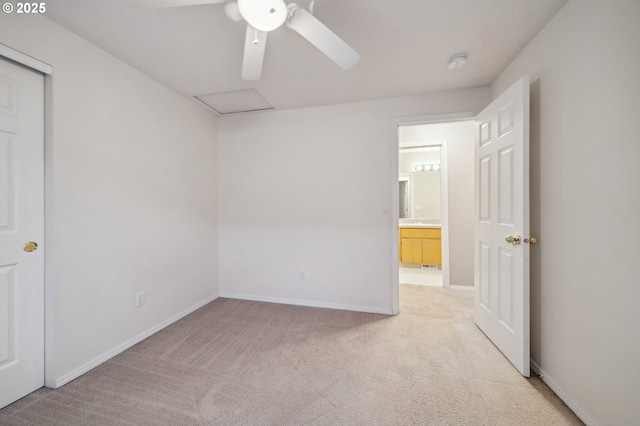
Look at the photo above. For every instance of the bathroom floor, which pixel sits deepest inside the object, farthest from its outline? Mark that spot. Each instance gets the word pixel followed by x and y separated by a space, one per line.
pixel 420 276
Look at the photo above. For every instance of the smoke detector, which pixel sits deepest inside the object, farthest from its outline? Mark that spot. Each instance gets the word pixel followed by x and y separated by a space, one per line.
pixel 458 61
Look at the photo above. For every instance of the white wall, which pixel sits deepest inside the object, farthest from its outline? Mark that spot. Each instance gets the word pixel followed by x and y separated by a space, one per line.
pixel 302 189
pixel 585 69
pixel 132 199
pixel 459 137
pixel 407 161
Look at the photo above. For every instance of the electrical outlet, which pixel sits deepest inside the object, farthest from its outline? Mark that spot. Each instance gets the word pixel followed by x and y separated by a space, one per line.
pixel 139 299
pixel 302 275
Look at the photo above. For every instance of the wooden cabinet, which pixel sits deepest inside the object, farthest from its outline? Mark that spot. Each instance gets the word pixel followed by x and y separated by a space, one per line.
pixel 421 246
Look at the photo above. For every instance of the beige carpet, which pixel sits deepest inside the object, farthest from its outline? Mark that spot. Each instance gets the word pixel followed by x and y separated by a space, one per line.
pixel 250 363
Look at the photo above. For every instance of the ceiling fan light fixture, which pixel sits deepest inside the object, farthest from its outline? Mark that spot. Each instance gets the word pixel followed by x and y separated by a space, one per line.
pixel 263 15
pixel 458 61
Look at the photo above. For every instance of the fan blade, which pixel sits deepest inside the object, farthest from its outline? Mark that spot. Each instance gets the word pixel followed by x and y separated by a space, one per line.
pixel 161 4
pixel 255 43
pixel 232 11
pixel 309 27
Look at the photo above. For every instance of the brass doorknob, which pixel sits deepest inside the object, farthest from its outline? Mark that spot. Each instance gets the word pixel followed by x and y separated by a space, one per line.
pixel 531 240
pixel 513 239
pixel 30 246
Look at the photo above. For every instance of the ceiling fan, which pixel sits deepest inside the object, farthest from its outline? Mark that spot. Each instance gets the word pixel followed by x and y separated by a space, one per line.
pixel 263 16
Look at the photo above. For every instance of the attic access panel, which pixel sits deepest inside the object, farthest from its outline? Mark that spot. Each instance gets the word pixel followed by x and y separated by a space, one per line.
pixel 238 102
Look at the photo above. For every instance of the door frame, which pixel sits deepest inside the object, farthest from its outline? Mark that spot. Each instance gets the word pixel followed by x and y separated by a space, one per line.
pixel 13 55
pixel 395 209
pixel 409 186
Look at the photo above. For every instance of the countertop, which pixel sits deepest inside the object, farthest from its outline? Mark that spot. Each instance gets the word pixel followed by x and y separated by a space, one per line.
pixel 420 225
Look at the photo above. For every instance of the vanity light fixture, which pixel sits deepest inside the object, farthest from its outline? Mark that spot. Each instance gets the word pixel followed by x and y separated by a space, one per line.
pixel 427 167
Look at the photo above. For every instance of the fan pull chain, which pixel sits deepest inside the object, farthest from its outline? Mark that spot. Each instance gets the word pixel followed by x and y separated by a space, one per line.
pixel 255 39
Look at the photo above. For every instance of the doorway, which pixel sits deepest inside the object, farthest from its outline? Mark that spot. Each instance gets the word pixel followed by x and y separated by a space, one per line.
pixel 420 207
pixel 452 134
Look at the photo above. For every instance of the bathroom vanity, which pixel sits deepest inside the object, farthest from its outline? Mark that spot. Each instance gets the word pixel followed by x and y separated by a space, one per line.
pixel 420 244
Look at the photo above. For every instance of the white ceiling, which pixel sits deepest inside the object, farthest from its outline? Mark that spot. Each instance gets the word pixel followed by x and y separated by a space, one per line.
pixel 404 46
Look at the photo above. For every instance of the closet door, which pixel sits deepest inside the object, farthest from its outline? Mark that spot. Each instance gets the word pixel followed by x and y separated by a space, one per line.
pixel 21 231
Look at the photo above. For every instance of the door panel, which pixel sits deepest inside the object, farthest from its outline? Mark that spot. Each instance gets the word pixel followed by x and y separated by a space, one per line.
pixel 484 193
pixel 21 221
pixel 7 317
pixel 483 271
pixel 505 184
pixel 6 174
pixel 501 210
pixel 506 302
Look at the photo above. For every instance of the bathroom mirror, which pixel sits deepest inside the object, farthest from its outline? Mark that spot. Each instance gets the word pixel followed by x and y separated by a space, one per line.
pixel 419 184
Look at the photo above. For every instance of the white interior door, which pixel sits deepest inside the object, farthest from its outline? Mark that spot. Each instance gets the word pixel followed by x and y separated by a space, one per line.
pixel 21 222
pixel 502 223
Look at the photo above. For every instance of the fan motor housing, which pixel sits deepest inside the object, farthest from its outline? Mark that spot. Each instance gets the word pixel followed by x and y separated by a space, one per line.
pixel 263 15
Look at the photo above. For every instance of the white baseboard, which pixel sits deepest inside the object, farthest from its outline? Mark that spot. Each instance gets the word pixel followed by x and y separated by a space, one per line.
pixel 461 287
pixel 62 380
pixel 563 395
pixel 312 304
